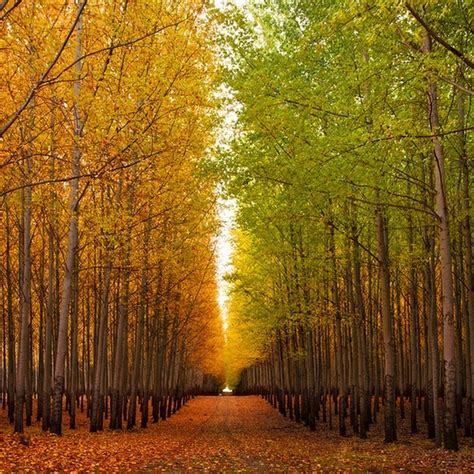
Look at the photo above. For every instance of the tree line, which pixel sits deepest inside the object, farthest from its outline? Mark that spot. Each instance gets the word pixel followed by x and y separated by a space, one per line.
pixel 353 281
pixel 107 277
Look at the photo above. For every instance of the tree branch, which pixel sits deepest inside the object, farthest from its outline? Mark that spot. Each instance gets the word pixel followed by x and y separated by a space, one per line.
pixel 112 47
pixel 438 38
pixel 3 4
pixel 14 117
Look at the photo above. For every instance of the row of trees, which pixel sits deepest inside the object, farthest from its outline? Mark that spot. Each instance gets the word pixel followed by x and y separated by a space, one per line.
pixel 107 280
pixel 354 278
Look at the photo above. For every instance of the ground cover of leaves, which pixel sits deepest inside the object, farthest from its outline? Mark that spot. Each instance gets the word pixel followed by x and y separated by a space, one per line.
pixel 225 434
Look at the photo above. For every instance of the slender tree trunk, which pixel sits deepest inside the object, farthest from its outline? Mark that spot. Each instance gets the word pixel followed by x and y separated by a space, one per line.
pixel 339 348
pixel 469 264
pixel 120 346
pixel 413 335
pixel 74 348
pixel 99 358
pixel 25 301
pixel 138 353
pixel 11 325
pixel 59 373
pixel 450 434
pixel 48 334
pixel 387 329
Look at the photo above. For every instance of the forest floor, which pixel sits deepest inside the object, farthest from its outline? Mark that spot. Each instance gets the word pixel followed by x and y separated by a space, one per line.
pixel 225 434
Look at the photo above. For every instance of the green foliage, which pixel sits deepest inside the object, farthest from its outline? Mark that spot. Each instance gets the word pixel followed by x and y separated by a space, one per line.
pixel 332 122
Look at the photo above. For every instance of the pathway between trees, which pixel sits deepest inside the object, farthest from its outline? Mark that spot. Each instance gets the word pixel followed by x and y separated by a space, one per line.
pixel 218 434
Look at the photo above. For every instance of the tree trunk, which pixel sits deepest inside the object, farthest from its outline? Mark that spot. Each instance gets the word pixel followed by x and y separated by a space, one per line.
pixel 11 324
pixel 450 434
pixel 387 329
pixel 469 265
pixel 56 422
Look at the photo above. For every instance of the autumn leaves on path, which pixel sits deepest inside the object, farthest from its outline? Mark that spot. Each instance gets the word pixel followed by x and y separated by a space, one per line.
pixel 224 434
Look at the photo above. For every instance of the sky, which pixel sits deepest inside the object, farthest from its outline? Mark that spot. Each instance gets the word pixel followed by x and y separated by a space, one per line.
pixel 226 211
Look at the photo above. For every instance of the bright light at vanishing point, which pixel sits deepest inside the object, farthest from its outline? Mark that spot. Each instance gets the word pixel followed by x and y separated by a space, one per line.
pixel 226 212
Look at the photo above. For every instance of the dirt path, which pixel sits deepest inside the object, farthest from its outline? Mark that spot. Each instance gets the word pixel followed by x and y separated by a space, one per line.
pixel 225 434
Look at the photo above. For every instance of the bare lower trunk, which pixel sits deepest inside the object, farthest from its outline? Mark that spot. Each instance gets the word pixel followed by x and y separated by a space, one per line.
pixel 414 344
pixel 11 326
pixel 387 329
pixel 25 305
pixel 99 359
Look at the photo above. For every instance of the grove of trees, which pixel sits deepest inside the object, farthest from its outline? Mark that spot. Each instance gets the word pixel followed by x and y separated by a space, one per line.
pixel 107 277
pixel 350 166
pixel 341 132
